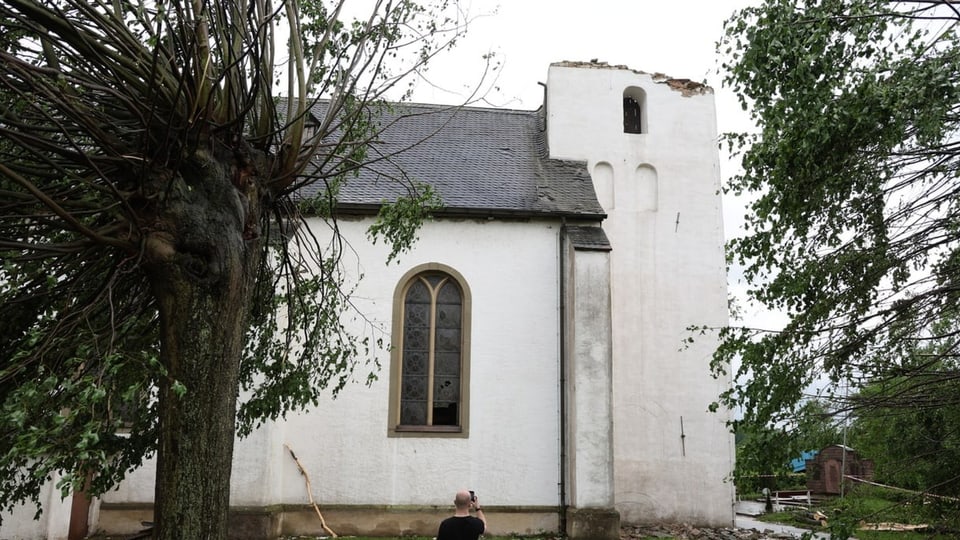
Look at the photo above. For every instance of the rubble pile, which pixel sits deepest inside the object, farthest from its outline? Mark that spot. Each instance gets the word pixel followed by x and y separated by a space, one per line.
pixel 687 532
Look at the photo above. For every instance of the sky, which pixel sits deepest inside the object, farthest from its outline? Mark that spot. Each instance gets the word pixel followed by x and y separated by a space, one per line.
pixel 675 37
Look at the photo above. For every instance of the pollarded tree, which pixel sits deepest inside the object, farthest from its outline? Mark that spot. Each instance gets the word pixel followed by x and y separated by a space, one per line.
pixel 148 231
pixel 853 231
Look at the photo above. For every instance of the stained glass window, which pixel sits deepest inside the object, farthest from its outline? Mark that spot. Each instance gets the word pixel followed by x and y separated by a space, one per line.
pixel 430 386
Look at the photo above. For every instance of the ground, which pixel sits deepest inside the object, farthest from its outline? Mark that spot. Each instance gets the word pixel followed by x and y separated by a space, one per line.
pixel 687 532
pixel 629 532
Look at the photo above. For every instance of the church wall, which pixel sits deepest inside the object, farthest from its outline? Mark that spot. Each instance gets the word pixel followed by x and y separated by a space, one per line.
pixel 588 388
pixel 511 270
pixel 661 191
pixel 511 456
pixel 53 524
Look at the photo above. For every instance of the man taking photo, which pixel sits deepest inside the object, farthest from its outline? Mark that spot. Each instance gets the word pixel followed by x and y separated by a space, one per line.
pixel 463 526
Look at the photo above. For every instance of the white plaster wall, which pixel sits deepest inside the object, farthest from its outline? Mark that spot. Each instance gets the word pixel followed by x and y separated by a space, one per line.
pixel 136 488
pixel 255 479
pixel 590 420
pixel 512 454
pixel 667 273
pixel 53 524
pixel 258 466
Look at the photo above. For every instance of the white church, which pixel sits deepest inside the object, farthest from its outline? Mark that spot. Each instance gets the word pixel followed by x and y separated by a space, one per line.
pixel 537 332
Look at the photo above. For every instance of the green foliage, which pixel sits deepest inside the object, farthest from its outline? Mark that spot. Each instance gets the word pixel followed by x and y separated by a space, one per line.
pixel 764 453
pixel 397 222
pixel 852 231
pixel 846 516
pixel 280 376
pixel 126 130
pixel 78 369
pixel 762 458
pixel 909 424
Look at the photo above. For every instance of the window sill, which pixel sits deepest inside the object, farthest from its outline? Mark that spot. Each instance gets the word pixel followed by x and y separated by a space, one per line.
pixel 427 431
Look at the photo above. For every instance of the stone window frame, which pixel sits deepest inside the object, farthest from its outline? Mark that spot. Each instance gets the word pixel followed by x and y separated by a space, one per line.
pixel 394 428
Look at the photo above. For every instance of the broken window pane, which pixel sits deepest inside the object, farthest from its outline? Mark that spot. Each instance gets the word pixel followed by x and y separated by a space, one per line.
pixel 431 352
pixel 631 115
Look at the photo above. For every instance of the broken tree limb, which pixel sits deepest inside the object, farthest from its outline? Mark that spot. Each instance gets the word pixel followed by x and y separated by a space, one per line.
pixel 306 478
pixel 898 527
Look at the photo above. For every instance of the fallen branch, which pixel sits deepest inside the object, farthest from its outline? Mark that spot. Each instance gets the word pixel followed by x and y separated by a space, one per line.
pixel 306 478
pixel 899 527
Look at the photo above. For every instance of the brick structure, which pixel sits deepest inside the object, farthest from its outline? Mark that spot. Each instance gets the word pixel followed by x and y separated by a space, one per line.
pixel 823 471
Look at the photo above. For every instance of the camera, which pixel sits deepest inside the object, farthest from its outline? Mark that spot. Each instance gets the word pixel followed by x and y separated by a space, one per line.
pixel 473 496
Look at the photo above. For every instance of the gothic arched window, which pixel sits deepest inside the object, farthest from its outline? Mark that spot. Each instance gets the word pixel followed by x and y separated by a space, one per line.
pixel 429 363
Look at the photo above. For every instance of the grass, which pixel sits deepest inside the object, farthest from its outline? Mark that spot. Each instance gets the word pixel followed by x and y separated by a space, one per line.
pixel 869 506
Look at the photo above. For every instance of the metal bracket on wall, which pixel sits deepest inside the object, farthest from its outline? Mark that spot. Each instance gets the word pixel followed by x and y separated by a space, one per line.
pixel 683 442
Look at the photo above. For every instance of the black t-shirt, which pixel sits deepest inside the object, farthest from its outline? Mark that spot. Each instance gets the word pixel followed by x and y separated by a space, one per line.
pixel 460 528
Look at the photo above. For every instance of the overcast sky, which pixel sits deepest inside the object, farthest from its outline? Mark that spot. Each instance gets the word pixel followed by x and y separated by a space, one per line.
pixel 675 37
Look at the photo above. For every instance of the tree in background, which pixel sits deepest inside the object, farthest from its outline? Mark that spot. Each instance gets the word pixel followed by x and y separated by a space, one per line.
pixel 762 456
pixel 149 232
pixel 915 448
pixel 853 229
pixel 910 425
pixel 764 452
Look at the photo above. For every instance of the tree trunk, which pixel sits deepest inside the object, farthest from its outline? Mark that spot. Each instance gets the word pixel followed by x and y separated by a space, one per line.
pixel 202 351
pixel 202 275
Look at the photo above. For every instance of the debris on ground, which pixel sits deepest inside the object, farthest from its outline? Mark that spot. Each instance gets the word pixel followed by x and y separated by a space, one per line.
pixel 627 532
pixel 688 532
pixel 899 527
pixel 812 518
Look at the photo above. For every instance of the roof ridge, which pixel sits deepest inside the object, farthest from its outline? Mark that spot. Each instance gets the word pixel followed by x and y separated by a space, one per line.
pixel 437 106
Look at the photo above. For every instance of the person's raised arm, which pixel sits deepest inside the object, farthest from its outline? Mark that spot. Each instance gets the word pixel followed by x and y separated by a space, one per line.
pixel 479 511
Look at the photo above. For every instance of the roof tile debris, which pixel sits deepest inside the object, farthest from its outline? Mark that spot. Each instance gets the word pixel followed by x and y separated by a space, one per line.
pixel 686 87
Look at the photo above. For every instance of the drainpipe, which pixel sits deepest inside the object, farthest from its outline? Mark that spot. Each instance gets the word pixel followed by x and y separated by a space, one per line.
pixel 563 377
pixel 561 260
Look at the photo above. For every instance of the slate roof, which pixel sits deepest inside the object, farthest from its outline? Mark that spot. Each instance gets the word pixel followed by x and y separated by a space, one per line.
pixel 480 161
pixel 588 238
